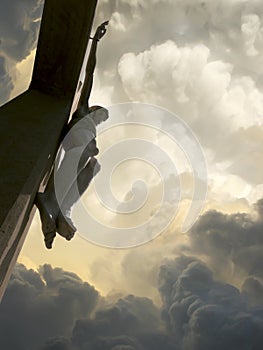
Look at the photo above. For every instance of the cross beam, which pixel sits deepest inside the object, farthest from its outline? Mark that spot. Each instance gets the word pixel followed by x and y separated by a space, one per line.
pixel 30 125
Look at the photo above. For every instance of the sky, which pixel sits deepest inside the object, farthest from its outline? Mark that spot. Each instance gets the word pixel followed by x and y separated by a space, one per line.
pixel 194 70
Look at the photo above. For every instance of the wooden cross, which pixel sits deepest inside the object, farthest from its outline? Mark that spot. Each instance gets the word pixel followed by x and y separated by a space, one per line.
pixel 31 124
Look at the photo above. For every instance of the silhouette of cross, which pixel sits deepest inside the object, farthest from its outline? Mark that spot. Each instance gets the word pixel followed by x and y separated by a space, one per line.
pixel 31 124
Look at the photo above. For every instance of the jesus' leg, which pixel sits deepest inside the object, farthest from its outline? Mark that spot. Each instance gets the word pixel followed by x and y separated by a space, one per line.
pixel 47 206
pixel 61 185
pixel 64 224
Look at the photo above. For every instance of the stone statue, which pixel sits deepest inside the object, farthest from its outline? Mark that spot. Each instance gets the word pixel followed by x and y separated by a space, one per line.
pixel 81 139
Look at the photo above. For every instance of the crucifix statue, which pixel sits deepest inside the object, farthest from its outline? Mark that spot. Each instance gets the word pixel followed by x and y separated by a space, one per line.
pixel 80 135
pixel 31 124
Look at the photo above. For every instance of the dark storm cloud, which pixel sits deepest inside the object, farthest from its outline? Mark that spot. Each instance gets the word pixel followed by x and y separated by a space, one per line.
pixel 51 310
pixel 131 323
pixel 202 313
pixel 55 310
pixel 235 239
pixel 40 306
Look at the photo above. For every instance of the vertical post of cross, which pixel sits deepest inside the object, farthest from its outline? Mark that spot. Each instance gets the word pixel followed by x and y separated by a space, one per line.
pixel 30 125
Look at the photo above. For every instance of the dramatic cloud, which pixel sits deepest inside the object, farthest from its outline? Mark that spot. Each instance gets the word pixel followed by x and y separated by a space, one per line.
pixel 198 312
pixel 202 313
pixel 131 322
pixel 233 244
pixel 53 309
pixel 19 26
pixel 220 107
pixel 37 306
pixel 231 28
pixel 201 60
pixel 203 307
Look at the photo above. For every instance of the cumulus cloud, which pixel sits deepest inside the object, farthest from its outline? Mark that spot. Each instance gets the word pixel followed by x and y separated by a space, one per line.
pixel 131 321
pixel 201 307
pixel 201 60
pixel 53 309
pixel 42 305
pixel 231 29
pixel 203 91
pixel 212 296
pixel 233 243
pixel 202 313
pixel 222 108
pixel 227 26
pixel 198 312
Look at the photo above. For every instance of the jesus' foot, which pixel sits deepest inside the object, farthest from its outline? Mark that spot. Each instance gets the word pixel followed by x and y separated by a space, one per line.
pixel 65 227
pixel 49 238
pixel 48 222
